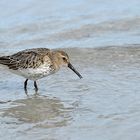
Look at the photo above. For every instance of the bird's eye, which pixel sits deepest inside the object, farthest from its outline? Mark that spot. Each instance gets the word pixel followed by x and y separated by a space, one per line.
pixel 64 58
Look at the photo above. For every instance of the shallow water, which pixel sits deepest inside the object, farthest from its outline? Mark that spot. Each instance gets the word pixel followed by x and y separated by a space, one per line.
pixel 102 39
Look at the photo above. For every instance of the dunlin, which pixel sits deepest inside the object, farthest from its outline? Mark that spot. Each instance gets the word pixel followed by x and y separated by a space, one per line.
pixel 34 64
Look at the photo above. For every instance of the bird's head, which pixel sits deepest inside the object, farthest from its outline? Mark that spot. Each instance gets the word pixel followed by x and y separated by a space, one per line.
pixel 62 59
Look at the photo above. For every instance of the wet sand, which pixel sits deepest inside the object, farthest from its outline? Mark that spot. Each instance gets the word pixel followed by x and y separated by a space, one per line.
pixel 103 42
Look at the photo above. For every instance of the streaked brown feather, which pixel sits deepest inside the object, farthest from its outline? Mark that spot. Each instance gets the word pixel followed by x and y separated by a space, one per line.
pixel 30 58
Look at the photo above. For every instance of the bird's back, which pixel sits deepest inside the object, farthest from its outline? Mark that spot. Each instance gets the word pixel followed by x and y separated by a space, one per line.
pixel 31 63
pixel 30 58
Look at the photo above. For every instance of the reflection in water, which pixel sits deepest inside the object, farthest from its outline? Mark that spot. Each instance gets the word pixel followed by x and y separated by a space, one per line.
pixel 42 111
pixel 106 100
pixel 4 102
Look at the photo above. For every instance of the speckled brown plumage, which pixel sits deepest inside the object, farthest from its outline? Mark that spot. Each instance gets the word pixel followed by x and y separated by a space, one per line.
pixel 36 63
pixel 30 58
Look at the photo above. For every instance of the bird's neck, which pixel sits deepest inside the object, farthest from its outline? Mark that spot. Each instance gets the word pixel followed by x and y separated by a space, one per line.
pixel 56 61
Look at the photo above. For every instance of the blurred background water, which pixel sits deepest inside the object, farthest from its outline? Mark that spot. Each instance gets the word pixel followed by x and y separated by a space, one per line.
pixel 103 40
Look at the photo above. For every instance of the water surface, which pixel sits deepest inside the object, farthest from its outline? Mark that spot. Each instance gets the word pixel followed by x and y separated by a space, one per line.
pixel 102 39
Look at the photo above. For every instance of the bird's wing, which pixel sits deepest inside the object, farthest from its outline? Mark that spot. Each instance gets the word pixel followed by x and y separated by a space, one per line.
pixel 31 58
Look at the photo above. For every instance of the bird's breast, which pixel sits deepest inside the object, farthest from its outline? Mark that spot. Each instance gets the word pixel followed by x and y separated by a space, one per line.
pixel 37 73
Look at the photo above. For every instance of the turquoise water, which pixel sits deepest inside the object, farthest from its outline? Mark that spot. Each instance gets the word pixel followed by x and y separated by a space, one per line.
pixel 103 42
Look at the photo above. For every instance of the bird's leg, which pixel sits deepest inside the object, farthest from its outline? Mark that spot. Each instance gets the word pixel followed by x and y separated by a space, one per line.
pixel 25 85
pixel 35 85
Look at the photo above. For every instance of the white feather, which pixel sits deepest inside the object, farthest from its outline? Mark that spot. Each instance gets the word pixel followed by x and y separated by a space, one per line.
pixel 33 73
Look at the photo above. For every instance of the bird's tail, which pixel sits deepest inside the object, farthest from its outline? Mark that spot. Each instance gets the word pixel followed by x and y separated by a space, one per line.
pixel 4 60
pixel 7 61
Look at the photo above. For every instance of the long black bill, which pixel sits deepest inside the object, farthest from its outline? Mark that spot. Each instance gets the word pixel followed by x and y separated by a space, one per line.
pixel 73 69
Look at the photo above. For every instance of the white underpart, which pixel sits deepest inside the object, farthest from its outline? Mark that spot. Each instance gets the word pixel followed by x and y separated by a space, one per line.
pixel 34 73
